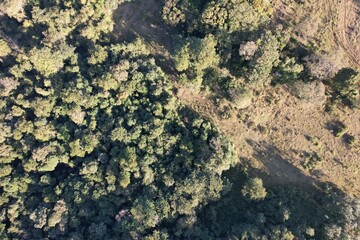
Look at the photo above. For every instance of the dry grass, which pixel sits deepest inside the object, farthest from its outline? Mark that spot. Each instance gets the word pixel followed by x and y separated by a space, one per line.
pixel 277 132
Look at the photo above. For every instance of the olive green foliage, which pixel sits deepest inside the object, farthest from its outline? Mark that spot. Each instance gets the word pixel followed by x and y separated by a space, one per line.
pixel 254 190
pixel 174 12
pixel 233 15
pixel 88 135
pixel 90 18
pixel 183 13
pixel 4 48
pixel 224 15
pixel 221 24
pixel 311 161
pixel 346 85
pixel 266 57
pixel 48 61
pixel 13 8
pixel 288 70
pixel 140 147
pixel 197 54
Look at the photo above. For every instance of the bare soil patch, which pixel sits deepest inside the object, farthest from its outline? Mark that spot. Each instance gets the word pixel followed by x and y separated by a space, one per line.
pixel 142 19
pixel 347 28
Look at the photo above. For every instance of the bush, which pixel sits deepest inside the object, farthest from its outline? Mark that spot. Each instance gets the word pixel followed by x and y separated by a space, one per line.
pixel 254 189
pixel 323 66
pixel 312 93
pixel 4 48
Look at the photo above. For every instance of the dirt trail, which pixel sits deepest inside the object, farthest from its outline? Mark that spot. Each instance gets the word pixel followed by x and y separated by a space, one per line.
pixel 343 13
pixel 12 43
pixel 143 19
pixel 335 22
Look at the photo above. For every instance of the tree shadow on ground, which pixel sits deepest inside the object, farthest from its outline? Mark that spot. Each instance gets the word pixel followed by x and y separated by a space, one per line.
pixel 294 201
pixel 143 19
pixel 279 171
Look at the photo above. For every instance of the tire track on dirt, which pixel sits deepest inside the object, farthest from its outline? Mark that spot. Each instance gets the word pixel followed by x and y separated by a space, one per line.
pixel 340 14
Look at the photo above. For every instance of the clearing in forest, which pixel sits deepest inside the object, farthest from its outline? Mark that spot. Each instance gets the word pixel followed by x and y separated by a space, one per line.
pixel 143 19
pixel 278 134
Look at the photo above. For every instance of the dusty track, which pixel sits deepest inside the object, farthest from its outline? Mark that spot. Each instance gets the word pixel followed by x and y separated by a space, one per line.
pixel 143 19
pixel 12 43
pixel 336 22
pixel 340 14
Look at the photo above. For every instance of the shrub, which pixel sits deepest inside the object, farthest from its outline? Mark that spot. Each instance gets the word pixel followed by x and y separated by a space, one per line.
pixel 4 48
pixel 312 93
pixel 254 189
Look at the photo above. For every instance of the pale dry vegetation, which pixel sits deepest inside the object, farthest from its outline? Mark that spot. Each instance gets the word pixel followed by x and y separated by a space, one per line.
pixel 283 121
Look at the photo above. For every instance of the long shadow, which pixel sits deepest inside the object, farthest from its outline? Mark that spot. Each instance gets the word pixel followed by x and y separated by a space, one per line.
pixel 143 19
pixel 294 201
pixel 279 171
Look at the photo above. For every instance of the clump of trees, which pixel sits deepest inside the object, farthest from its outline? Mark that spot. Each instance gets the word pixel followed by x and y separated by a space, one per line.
pixel 220 40
pixel 194 56
pixel 235 15
pixel 90 129
pixel 252 50
pixel 346 87
pixel 4 48
pixel 13 8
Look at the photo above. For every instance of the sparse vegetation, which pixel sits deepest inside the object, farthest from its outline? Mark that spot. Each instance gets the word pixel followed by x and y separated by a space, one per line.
pixel 311 161
pixel 338 128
